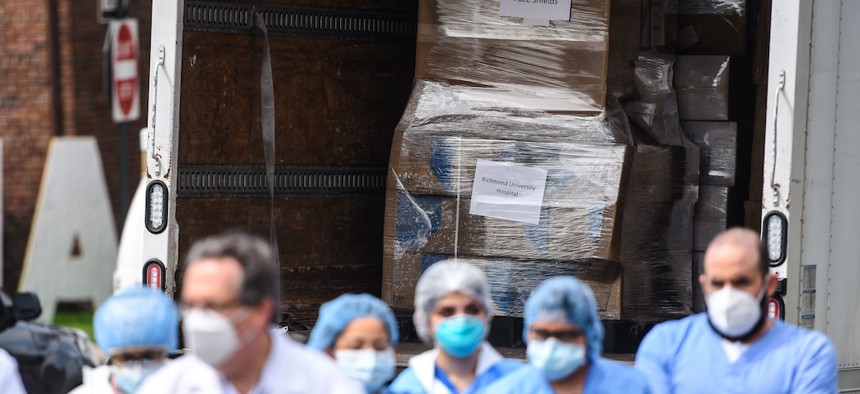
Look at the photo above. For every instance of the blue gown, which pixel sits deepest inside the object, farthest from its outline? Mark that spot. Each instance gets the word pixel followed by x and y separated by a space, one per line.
pixel 686 356
pixel 423 377
pixel 604 376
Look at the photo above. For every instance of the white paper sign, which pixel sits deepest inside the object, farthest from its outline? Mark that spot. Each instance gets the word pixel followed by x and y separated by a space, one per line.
pixel 548 10
pixel 508 191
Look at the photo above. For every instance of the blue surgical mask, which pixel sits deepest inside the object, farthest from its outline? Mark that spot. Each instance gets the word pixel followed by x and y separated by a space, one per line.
pixel 556 359
pixel 370 367
pixel 461 335
pixel 129 377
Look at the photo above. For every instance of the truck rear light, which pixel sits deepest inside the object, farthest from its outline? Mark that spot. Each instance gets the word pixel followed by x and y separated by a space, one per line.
pixel 775 235
pixel 156 207
pixel 775 308
pixel 153 274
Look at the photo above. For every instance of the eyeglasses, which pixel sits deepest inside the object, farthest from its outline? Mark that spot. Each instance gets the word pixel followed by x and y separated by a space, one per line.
pixel 130 357
pixel 221 308
pixel 561 335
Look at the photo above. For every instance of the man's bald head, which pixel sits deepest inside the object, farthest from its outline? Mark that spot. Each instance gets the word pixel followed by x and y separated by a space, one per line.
pixel 740 238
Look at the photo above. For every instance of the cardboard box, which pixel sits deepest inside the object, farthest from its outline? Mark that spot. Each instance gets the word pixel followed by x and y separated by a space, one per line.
pixel 429 224
pixel 712 27
pixel 577 173
pixel 702 85
pixel 717 143
pixel 710 217
pixel 511 281
pixel 562 66
pixel 659 26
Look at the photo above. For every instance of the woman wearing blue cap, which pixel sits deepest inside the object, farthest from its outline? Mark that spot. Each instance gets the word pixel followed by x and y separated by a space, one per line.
pixel 565 336
pixel 136 328
pixel 358 331
pixel 452 312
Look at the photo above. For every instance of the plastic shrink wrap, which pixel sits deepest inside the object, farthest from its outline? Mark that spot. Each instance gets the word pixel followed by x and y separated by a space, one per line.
pixel 712 27
pixel 702 83
pixel 657 228
pixel 497 89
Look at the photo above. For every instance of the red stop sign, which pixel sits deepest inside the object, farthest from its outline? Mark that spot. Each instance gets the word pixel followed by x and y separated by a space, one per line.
pixel 125 78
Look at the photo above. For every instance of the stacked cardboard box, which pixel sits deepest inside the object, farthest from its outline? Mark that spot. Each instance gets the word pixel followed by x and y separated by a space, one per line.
pixel 712 27
pixel 507 91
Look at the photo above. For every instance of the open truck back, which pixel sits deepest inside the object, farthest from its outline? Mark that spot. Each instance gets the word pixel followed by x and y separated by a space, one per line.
pixel 342 76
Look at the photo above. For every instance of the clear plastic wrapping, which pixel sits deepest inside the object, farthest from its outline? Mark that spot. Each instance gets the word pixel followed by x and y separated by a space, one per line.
pixel 617 207
pixel 712 27
pixel 558 67
pixel 702 83
pixel 512 281
pixel 657 228
pixel 441 137
pixel 710 216
pixel 718 144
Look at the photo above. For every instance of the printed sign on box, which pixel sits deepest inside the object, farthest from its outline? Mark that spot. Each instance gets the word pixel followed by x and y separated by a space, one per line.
pixel 536 10
pixel 508 191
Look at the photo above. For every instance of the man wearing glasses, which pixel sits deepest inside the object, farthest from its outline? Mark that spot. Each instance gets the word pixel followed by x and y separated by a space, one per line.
pixel 136 328
pixel 227 306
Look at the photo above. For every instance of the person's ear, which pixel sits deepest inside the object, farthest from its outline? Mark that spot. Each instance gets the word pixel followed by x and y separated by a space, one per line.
pixel 264 313
pixel 702 282
pixel 772 282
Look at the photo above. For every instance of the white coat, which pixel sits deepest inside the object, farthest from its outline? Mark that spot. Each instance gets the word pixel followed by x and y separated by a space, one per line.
pixel 290 369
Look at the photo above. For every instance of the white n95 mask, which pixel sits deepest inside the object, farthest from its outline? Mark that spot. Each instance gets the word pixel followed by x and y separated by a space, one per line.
pixel 210 336
pixel 734 313
pixel 370 367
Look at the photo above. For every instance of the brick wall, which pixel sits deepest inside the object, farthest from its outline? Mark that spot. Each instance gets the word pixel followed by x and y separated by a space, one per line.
pixel 52 84
pixel 25 119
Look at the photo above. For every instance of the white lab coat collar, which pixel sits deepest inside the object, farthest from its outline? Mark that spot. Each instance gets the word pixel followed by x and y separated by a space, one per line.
pixel 424 366
pixel 282 352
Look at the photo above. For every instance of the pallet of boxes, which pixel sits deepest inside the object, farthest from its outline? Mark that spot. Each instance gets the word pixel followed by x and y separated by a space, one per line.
pixel 512 155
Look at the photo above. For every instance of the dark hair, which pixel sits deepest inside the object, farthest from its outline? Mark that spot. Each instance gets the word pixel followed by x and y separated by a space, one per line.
pixel 259 279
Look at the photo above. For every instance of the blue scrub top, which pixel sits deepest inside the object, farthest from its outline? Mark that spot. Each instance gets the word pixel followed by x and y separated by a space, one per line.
pixel 604 376
pixel 686 356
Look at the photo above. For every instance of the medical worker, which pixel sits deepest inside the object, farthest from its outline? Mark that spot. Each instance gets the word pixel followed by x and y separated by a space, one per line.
pixel 228 303
pixel 734 347
pixel 565 337
pixel 452 312
pixel 358 331
pixel 137 328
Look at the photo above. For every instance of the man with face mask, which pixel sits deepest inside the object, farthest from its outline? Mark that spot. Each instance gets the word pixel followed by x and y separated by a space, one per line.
pixel 452 312
pixel 565 337
pixel 136 328
pixel 227 305
pixel 735 347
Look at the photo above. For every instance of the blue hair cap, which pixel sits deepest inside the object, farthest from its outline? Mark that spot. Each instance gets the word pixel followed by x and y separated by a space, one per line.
pixel 336 314
pixel 136 317
pixel 566 299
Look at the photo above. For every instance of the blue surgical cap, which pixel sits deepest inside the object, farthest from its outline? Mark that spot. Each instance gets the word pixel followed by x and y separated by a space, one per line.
pixel 136 317
pixel 566 299
pixel 336 314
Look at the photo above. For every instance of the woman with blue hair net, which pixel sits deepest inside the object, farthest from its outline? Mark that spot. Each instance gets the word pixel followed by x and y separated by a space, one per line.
pixel 358 331
pixel 565 336
pixel 452 312
pixel 136 328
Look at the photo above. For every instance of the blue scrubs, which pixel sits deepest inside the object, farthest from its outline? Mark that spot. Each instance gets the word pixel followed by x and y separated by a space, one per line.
pixel 423 377
pixel 604 376
pixel 686 356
